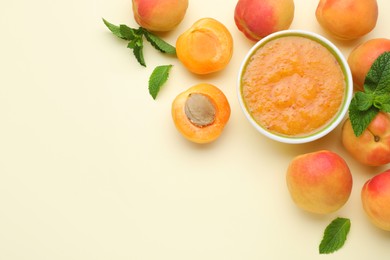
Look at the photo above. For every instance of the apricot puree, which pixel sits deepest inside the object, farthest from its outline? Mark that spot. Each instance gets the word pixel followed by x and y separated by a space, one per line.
pixel 293 85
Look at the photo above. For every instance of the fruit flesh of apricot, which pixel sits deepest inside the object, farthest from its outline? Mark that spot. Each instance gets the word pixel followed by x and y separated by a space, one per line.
pixel 206 47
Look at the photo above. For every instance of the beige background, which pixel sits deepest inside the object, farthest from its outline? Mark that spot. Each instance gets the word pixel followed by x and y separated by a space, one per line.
pixel 91 167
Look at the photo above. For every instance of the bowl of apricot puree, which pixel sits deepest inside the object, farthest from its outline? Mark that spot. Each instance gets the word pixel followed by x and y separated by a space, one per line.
pixel 294 86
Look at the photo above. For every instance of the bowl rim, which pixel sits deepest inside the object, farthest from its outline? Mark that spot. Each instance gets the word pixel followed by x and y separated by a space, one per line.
pixel 330 126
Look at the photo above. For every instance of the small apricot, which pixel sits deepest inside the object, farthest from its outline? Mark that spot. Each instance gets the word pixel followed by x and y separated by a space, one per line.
pixel 201 112
pixel 347 19
pixel 319 182
pixel 363 56
pixel 206 47
pixel 375 196
pixel 159 15
pixel 259 18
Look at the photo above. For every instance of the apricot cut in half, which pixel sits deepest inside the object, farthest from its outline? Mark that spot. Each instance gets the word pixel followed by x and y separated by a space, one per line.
pixel 201 112
pixel 206 47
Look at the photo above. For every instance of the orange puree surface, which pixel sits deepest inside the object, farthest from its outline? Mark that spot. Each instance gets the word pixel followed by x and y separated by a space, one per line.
pixel 293 85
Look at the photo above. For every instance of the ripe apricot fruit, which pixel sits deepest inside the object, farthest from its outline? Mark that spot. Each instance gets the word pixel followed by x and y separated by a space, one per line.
pixel 319 182
pixel 343 18
pixel 375 196
pixel 206 47
pixel 363 56
pixel 201 112
pixel 372 147
pixel 259 18
pixel 159 15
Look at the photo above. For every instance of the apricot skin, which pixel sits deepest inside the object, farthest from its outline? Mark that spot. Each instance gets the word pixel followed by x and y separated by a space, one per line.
pixel 206 47
pixel 319 182
pixel 159 15
pixel 363 56
pixel 259 18
pixel 375 196
pixel 347 19
pixel 195 133
pixel 372 148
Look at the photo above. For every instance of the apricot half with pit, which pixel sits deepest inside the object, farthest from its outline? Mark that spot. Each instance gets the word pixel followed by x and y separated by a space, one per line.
pixel 206 47
pixel 201 112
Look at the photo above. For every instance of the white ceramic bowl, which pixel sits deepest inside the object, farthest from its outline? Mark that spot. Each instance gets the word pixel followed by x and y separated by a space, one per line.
pixel 328 127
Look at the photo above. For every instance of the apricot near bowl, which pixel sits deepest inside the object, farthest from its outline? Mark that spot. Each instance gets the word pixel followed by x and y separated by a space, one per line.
pixel 294 86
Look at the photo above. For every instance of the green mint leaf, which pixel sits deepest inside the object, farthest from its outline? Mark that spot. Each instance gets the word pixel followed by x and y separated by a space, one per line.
pixel 132 44
pixel 113 28
pixel 360 119
pixel 335 235
pixel 376 96
pixel 385 108
pixel 378 77
pixel 127 32
pixel 382 102
pixel 158 77
pixel 363 100
pixel 159 43
pixel 137 47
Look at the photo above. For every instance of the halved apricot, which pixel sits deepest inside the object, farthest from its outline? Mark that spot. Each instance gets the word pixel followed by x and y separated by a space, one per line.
pixel 201 112
pixel 206 47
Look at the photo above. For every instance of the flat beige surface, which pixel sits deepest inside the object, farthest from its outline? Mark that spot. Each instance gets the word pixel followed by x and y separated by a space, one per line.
pixel 91 167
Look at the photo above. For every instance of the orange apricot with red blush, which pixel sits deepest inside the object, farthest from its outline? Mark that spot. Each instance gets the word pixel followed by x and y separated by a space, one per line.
pixel 206 47
pixel 201 113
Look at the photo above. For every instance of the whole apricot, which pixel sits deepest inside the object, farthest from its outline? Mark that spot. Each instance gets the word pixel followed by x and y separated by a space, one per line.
pixel 363 56
pixel 201 112
pixel 319 182
pixel 259 18
pixel 347 19
pixel 206 47
pixel 159 15
pixel 372 147
pixel 375 196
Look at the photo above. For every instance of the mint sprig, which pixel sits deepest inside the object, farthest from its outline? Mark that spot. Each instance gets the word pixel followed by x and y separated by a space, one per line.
pixel 135 38
pixel 335 235
pixel 365 105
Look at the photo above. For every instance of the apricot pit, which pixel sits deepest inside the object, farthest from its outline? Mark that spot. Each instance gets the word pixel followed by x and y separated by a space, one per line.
pixel 201 112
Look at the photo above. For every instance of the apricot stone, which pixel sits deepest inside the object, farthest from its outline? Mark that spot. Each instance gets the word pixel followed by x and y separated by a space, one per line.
pixel 375 197
pixel 259 18
pixel 201 112
pixel 206 47
pixel 363 56
pixel 319 182
pixel 159 15
pixel 347 19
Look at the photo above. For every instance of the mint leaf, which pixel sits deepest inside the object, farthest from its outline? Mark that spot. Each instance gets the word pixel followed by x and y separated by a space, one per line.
pixel 113 28
pixel 385 108
pixel 335 235
pixel 382 102
pixel 159 43
pixel 360 119
pixel 378 77
pixel 137 47
pixel 376 96
pixel 363 100
pixel 128 33
pixel 158 77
